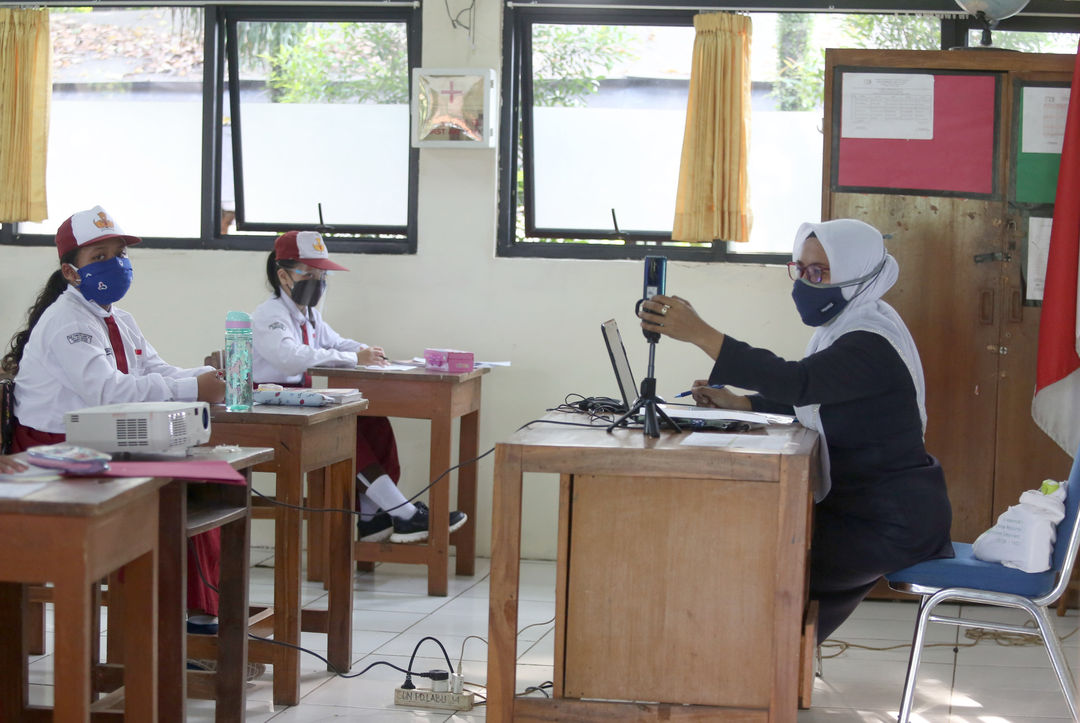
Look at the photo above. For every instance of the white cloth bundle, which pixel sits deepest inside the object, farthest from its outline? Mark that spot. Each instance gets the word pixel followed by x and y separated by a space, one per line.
pixel 1024 535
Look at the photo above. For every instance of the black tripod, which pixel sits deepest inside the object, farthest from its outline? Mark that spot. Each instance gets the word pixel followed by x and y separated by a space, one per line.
pixel 648 400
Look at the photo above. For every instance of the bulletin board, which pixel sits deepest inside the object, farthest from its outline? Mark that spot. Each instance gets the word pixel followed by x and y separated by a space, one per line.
pixel 915 131
pixel 1040 111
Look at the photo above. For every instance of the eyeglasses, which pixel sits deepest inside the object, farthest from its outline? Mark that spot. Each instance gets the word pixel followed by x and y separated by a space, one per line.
pixel 303 274
pixel 811 272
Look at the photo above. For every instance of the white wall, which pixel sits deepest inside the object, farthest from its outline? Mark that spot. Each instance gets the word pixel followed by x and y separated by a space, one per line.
pixel 543 315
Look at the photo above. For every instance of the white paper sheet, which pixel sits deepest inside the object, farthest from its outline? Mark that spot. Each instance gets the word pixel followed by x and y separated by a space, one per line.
pixel 1044 119
pixel 888 105
pixel 1038 248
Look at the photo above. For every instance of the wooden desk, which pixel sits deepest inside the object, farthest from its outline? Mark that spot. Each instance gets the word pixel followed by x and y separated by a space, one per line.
pixel 440 397
pixel 73 533
pixel 189 508
pixel 304 439
pixel 681 573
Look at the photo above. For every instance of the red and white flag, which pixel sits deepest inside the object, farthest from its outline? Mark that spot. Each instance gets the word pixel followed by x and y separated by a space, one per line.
pixel 1056 407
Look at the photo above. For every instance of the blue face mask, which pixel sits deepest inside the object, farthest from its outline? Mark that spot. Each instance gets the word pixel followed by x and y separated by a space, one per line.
pixel 106 282
pixel 817 304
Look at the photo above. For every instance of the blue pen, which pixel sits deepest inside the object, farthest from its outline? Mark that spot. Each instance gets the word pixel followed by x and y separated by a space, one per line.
pixel 688 392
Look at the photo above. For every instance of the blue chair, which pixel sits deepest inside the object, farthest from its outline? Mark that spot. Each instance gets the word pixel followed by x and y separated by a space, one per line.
pixel 966 579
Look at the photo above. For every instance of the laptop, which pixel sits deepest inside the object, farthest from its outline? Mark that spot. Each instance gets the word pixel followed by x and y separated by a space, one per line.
pixel 685 414
pixel 620 363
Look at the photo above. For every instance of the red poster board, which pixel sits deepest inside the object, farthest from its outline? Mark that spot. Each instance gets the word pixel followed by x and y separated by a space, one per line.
pixel 958 159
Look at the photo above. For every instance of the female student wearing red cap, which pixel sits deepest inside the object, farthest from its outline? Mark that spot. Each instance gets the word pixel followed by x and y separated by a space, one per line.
pixel 80 350
pixel 290 337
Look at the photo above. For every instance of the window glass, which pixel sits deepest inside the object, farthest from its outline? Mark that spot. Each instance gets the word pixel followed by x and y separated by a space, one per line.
pixel 609 112
pixel 1027 41
pixel 324 119
pixel 123 80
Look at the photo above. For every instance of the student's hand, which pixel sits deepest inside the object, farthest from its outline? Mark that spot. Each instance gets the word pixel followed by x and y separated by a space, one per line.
pixel 372 356
pixel 9 464
pixel 707 396
pixel 214 360
pixel 674 317
pixel 211 388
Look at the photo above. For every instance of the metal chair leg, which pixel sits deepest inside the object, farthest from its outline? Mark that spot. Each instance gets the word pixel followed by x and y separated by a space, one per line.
pixel 913 660
pixel 1057 657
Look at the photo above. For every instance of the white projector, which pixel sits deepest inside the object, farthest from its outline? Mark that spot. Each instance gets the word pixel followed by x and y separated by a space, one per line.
pixel 141 427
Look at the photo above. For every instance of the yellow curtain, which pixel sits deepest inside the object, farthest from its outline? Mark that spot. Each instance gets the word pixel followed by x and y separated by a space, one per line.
pixel 25 91
pixel 713 197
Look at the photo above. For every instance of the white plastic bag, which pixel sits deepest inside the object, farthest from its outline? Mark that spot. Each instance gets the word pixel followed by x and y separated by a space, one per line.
pixel 1024 535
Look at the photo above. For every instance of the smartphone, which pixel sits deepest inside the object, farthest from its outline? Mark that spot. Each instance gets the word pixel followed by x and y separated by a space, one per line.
pixel 655 276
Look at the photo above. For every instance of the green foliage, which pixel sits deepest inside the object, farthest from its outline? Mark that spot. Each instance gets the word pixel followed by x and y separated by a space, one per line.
pixel 569 61
pixel 798 83
pixel 893 32
pixel 343 63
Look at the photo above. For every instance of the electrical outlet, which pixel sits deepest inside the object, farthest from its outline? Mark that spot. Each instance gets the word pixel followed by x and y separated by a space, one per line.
pixel 437 699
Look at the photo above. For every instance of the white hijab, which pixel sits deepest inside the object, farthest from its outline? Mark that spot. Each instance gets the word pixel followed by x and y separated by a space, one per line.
pixel 855 249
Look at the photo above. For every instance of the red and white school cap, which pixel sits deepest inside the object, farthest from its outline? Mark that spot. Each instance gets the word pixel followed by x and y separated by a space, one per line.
pixel 87 227
pixel 306 247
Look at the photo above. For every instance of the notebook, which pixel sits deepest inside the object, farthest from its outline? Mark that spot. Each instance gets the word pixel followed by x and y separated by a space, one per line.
pixel 705 417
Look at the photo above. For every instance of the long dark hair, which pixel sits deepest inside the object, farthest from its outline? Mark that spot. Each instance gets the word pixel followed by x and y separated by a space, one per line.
pixel 272 265
pixel 53 288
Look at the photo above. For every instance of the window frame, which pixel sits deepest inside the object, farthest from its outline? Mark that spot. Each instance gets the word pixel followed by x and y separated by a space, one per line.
pixel 516 118
pixel 214 84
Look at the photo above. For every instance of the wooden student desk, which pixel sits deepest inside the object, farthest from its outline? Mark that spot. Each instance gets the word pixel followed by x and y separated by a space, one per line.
pixel 682 573
pixel 72 533
pixel 440 397
pixel 304 439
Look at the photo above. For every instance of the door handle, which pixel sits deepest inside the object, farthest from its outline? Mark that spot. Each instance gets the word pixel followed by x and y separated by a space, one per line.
pixel 986 307
pixel 1016 306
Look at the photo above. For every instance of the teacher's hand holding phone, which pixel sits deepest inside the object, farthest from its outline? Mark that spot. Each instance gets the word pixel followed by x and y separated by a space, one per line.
pixel 674 317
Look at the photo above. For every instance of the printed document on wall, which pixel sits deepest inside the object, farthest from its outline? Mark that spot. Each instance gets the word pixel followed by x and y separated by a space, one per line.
pixel 888 105
pixel 1044 119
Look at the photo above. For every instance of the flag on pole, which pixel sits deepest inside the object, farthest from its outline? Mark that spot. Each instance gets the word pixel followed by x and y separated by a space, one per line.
pixel 1056 407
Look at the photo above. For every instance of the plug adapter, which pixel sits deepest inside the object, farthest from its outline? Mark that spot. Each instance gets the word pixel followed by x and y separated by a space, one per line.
pixel 437 700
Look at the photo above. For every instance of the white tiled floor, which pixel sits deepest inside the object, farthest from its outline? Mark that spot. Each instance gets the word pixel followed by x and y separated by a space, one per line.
pixel 986 683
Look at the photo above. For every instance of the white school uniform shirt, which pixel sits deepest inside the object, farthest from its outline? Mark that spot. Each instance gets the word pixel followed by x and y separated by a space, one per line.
pixel 68 364
pixel 280 354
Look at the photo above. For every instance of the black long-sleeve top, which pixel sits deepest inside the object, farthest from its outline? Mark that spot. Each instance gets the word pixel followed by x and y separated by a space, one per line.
pixel 868 409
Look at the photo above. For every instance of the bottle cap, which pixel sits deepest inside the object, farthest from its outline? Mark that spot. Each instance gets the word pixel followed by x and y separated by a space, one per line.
pixel 237 320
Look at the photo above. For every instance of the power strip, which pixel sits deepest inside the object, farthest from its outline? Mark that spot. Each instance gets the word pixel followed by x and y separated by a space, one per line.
pixel 437 699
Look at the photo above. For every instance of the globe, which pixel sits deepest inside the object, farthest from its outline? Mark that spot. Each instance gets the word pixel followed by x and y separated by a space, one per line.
pixel 994 10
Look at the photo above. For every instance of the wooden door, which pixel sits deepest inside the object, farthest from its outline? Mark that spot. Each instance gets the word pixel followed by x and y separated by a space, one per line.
pixel 951 305
pixel 961 293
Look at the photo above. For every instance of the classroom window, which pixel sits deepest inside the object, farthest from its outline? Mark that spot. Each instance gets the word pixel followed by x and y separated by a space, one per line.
pixel 145 112
pixel 123 79
pixel 318 121
pixel 594 114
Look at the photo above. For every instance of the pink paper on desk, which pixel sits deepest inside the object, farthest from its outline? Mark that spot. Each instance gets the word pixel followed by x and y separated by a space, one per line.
pixel 211 470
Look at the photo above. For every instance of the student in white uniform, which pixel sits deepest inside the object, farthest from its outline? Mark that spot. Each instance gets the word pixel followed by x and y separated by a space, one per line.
pixel 80 350
pixel 290 337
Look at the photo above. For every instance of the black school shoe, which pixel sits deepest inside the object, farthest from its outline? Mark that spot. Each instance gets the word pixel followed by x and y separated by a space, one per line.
pixel 377 529
pixel 415 529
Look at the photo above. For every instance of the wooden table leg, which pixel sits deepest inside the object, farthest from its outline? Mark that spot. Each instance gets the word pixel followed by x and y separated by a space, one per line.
pixel 339 525
pixel 140 638
pixel 14 649
pixel 287 539
pixel 72 644
pixel 505 563
pixel 464 540
pixel 231 674
pixel 439 498
pixel 172 602
pixel 316 526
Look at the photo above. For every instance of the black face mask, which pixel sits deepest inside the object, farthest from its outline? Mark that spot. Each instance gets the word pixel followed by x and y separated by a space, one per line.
pixel 816 304
pixel 307 292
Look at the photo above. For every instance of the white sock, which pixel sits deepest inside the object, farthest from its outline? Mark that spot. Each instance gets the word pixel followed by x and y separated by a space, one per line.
pixel 203 619
pixel 387 496
pixel 368 508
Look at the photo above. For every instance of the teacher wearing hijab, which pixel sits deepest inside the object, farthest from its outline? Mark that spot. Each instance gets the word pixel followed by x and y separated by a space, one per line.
pixel 881 504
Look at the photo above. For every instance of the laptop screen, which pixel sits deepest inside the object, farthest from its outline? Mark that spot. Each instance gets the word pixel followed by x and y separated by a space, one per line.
pixel 619 362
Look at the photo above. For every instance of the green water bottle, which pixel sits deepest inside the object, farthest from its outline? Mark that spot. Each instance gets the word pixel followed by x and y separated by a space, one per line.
pixel 238 347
